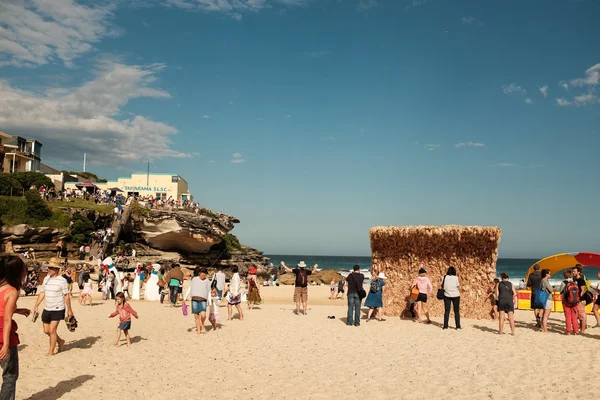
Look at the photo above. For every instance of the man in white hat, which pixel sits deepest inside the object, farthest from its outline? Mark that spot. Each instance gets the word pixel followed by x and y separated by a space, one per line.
pixel 55 291
pixel 301 285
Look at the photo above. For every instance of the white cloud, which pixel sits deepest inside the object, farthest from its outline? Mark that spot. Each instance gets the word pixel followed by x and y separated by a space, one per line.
pixel 513 88
pixel 37 32
pixel 317 54
pixel 505 165
pixel 592 77
pixel 471 21
pixel 366 5
pixel 238 158
pixel 469 144
pixel 85 118
pixel 432 147
pixel 233 8
pixel 528 100
pixel 563 102
pixel 564 85
pixel 416 3
pixel 205 116
pixel 544 90
pixel 584 99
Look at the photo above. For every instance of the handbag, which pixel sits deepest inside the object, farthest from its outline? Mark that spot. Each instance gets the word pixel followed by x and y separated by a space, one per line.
pixel 161 283
pixel 541 297
pixel 359 289
pixel 440 291
pixel 414 293
pixel 184 309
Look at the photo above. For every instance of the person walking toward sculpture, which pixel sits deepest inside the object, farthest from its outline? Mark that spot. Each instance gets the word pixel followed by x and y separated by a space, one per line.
pixel 375 297
pixel 355 285
pixel 450 286
pixel 533 283
pixel 55 293
pixel 507 296
pixel 173 278
pixel 199 290
pixel 13 273
pixel 546 287
pixel 570 300
pixel 301 284
pixel 253 289
pixel 423 284
pixel 234 295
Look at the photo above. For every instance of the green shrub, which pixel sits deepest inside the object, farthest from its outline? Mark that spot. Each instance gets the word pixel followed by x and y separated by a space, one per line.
pixel 79 239
pixel 14 211
pixel 37 209
pixel 9 186
pixel 28 179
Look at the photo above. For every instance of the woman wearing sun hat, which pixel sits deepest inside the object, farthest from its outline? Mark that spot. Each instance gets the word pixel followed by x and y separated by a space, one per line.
pixel 375 297
pixel 253 289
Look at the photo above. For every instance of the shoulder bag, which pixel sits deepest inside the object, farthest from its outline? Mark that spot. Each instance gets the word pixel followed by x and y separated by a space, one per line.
pixel 359 289
pixel 440 292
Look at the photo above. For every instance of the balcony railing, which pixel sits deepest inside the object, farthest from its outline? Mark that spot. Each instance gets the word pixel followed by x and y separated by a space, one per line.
pixel 9 152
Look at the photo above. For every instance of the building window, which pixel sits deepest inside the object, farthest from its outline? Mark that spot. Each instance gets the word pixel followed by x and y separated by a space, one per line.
pixel 175 179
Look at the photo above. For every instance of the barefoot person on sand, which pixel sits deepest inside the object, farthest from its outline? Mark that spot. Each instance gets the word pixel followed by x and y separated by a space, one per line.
pixel 199 290
pixel 124 311
pixel 254 298
pixel 55 292
pixel 13 272
pixel 234 295
pixel 507 295
pixel 301 285
pixel 422 283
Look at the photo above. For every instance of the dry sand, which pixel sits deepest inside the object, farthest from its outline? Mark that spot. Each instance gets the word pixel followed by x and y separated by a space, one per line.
pixel 274 354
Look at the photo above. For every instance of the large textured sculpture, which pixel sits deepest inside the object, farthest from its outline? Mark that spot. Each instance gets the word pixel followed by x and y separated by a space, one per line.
pixel 399 252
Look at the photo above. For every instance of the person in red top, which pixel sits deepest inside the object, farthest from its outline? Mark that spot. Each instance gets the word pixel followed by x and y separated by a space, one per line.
pixel 13 273
pixel 124 311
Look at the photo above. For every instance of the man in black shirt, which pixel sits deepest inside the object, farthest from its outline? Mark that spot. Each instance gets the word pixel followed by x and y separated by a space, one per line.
pixel 533 283
pixel 301 284
pixel 578 277
pixel 355 282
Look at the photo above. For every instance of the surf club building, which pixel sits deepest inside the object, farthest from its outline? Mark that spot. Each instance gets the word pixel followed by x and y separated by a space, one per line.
pixel 159 186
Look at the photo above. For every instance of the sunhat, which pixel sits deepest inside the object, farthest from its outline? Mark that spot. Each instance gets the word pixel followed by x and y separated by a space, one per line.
pixel 252 271
pixel 301 264
pixel 54 263
pixel 381 276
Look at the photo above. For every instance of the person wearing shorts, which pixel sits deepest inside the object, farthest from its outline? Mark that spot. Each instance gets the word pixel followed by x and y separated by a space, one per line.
pixel 507 295
pixel 425 287
pixel 578 277
pixel 301 284
pixel 55 292
pixel 199 291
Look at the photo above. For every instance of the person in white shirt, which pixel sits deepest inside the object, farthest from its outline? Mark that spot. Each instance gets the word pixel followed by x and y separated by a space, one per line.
pixel 220 278
pixel 234 297
pixel 199 290
pixel 133 253
pixel 55 292
pixel 451 297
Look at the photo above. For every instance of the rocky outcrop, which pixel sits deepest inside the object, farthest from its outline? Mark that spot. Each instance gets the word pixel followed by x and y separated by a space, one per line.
pixel 22 237
pixel 182 231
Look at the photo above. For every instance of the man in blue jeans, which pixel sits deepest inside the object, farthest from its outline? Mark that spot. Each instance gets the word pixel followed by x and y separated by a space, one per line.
pixel 173 278
pixel 355 281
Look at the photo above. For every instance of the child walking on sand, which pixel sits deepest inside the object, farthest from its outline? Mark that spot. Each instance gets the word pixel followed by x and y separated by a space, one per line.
pixel 124 311
pixel 214 315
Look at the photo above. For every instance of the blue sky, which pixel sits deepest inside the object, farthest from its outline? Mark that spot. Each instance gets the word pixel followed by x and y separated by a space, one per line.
pixel 314 120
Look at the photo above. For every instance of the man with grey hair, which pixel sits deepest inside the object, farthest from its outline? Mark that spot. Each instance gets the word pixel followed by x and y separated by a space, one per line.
pixel 533 283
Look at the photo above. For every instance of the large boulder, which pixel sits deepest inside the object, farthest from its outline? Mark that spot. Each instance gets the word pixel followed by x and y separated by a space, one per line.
pixel 183 231
pixel 26 234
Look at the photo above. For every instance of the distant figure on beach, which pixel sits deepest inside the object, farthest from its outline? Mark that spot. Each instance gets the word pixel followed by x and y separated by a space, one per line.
pixel 596 306
pixel 59 248
pixel 87 291
pixel 451 297
pixel 507 295
pixel 214 315
pixel 234 297
pixel 301 284
pixel 355 283
pixel 174 278
pixel 220 278
pixel 569 293
pixel 68 275
pixel 423 284
pixel 533 283
pixel 577 277
pixel 494 298
pixel 341 288
pixel 13 272
pixel 546 287
pixel 332 290
pixel 253 289
pixel 375 297
pixel 124 311
pixel 55 292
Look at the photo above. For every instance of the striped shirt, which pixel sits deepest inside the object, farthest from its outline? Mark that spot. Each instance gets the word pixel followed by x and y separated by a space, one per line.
pixel 55 289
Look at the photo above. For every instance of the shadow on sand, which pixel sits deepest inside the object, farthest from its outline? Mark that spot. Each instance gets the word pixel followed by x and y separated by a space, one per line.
pixel 84 343
pixel 61 388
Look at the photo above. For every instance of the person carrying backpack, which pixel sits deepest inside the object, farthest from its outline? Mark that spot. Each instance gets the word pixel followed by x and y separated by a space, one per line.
pixel 570 300
pixel 301 285
pixel 375 297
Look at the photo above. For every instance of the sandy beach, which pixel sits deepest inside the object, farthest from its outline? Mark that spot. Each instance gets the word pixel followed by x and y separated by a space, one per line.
pixel 274 354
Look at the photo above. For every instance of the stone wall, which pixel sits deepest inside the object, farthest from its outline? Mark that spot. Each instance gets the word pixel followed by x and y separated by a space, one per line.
pixel 400 252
